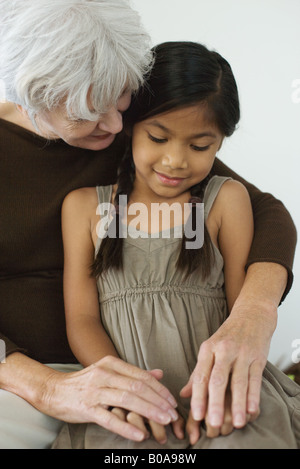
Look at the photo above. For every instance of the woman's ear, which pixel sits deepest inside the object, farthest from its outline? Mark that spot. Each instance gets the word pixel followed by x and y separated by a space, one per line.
pixel 22 111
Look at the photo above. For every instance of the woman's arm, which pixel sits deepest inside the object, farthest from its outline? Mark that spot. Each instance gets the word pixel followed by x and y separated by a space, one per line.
pixel 84 396
pixel 275 237
pixel 223 354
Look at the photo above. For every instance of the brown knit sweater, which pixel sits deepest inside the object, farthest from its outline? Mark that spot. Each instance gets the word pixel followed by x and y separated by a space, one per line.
pixel 35 176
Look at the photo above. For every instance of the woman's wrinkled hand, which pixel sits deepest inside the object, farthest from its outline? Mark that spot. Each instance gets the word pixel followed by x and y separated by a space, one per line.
pixel 193 427
pixel 85 396
pixel 236 353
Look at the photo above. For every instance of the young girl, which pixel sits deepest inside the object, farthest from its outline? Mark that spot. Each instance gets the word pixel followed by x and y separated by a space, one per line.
pixel 161 297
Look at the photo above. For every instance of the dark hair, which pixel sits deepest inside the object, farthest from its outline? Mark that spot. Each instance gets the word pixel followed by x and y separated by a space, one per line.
pixel 183 74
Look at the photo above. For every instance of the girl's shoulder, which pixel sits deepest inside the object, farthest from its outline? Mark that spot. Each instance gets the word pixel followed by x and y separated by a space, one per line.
pixel 230 197
pixel 81 205
pixel 232 192
pixel 80 202
pixel 81 195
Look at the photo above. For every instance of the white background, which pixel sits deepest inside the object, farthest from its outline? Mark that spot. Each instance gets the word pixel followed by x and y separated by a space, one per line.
pixel 261 41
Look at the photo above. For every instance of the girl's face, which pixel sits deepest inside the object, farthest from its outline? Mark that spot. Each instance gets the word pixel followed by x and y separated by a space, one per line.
pixel 174 151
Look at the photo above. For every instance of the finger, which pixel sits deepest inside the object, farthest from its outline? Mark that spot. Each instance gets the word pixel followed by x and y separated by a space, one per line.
pixel 217 388
pixel 178 428
pixel 121 413
pixel 138 422
pixel 113 423
pixel 186 391
pixel 193 429
pixel 138 375
pixel 132 402
pixel 158 432
pixel 201 378
pixel 254 387
pixel 158 374
pixel 252 417
pixel 211 432
pixel 239 389
pixel 226 429
pixel 138 388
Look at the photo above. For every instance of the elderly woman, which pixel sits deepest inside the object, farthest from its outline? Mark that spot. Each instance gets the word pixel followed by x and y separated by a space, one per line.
pixel 69 69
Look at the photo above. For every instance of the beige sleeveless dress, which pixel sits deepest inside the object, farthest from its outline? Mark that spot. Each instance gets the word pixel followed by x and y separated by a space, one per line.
pixel 158 319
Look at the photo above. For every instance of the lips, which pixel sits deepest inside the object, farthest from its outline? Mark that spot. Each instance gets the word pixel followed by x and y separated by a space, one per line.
pixel 169 180
pixel 101 137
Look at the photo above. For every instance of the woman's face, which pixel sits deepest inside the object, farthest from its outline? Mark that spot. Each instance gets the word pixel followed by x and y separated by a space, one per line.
pixel 91 135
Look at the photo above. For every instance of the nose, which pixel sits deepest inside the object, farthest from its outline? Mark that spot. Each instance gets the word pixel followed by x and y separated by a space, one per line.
pixel 112 121
pixel 175 159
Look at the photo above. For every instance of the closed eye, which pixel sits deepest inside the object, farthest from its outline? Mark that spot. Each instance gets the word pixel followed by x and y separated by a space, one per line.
pixel 196 148
pixel 157 140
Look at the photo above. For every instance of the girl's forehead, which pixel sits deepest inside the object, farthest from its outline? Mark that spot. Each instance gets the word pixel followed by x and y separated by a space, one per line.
pixel 191 118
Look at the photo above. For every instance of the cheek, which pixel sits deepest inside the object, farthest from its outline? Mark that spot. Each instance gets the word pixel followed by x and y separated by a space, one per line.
pixel 143 156
pixel 81 132
pixel 124 102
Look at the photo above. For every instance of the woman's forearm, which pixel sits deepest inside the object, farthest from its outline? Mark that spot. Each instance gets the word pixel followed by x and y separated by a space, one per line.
pixel 25 377
pixel 265 283
pixel 85 395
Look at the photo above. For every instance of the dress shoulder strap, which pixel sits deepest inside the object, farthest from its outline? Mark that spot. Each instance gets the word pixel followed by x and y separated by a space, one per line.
pixel 104 194
pixel 212 189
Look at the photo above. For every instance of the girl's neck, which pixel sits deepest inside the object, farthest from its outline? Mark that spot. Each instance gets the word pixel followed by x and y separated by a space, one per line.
pixel 142 194
pixel 155 213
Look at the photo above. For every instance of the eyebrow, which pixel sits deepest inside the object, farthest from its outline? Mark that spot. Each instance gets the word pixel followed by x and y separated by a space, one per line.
pixel 155 123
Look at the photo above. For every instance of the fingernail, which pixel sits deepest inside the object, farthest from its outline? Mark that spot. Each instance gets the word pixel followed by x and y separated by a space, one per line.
pixel 215 420
pixel 197 414
pixel 173 414
pixel 252 407
pixel 162 442
pixel 172 401
pixel 238 420
pixel 138 436
pixel 164 419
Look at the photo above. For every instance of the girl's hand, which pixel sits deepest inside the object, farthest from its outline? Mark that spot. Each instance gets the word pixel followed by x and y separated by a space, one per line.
pixel 158 431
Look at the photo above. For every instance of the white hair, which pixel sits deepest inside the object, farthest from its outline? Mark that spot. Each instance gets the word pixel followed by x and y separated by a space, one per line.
pixel 54 51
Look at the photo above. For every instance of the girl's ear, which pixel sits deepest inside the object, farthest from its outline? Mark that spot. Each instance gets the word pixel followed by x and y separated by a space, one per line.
pixel 220 144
